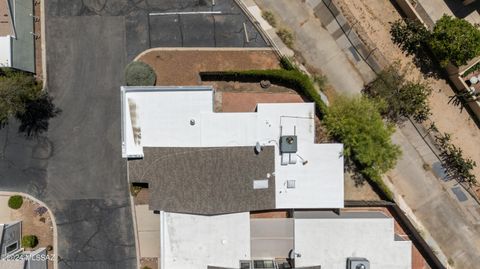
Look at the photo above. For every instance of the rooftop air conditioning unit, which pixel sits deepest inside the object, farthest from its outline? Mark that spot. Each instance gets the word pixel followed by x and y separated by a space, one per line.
pixel 357 263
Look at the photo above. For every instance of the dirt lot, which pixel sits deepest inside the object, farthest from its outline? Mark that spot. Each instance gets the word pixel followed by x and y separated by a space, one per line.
pixel 374 18
pixel 181 67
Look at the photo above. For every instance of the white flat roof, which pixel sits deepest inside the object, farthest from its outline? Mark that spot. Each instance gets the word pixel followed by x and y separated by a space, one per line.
pixel 184 117
pixel 329 242
pixel 194 241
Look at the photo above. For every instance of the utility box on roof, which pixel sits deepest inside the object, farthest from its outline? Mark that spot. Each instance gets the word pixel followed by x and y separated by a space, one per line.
pixel 288 144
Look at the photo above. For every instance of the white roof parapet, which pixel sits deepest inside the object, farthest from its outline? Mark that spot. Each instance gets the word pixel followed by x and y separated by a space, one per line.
pixel 184 117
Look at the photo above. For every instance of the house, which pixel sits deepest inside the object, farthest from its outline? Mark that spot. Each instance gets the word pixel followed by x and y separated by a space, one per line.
pixel 207 172
pixel 309 239
pixel 198 161
pixel 17 38
pixel 13 256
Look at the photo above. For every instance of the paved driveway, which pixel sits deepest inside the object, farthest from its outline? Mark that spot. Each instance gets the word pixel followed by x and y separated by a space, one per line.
pixel 170 23
pixel 76 168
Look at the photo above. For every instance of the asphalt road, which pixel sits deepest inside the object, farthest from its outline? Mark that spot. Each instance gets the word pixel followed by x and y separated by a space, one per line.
pixel 76 167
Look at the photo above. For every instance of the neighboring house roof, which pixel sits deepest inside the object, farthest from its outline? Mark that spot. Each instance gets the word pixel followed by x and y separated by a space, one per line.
pixel 206 180
pixel 17 43
pixel 6 25
pixel 195 242
pixel 317 239
pixel 329 240
pixel 182 117
pixel 35 259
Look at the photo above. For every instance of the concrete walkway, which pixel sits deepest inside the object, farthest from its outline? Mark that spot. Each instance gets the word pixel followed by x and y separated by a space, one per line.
pixel 445 213
pixel 319 49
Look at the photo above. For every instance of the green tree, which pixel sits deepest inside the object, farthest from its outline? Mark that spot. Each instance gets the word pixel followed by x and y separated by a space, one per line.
pixel 456 166
pixel 403 98
pixel 16 89
pixel 410 35
pixel 357 123
pixel 455 40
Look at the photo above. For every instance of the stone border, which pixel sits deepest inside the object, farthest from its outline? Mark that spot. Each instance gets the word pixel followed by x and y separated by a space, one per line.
pixel 52 217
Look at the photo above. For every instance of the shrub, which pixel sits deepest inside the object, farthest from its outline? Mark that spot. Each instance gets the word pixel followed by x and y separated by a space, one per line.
pixel 286 36
pixel 139 74
pixel 357 123
pixel 135 190
pixel 455 40
pixel 269 17
pixel 15 202
pixel 287 64
pixel 29 241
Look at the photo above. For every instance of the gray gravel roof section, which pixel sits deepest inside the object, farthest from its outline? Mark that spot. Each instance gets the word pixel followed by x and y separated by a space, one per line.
pixel 206 180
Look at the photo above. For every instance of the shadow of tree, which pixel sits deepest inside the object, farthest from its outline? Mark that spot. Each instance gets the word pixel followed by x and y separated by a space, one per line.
pixel 35 119
pixel 428 66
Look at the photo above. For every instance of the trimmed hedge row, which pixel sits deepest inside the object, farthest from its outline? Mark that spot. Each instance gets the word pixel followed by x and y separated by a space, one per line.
pixel 288 78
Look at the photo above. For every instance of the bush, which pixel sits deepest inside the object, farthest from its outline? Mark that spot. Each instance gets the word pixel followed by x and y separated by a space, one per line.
pixel 286 36
pixel 403 98
pixel 357 123
pixel 139 74
pixel 455 40
pixel 289 78
pixel 269 17
pixel 29 241
pixel 410 35
pixel 15 201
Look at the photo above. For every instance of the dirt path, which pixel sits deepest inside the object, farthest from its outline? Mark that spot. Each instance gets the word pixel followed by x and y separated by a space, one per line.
pixel 374 18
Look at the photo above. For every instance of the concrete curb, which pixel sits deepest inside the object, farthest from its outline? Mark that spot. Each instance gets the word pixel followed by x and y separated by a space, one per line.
pixel 52 217
pixel 44 51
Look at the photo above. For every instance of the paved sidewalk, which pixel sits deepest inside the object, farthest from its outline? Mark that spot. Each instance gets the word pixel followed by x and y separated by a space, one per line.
pixel 319 49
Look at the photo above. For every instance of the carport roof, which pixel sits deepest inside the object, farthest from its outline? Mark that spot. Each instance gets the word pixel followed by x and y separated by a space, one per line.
pixel 206 180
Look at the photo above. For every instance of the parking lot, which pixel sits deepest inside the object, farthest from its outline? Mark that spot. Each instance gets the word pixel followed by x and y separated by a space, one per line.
pixel 168 23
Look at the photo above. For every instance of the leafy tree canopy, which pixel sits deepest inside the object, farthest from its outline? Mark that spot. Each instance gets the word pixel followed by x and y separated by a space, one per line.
pixel 367 139
pixel 455 40
pixel 403 98
pixel 16 89
pixel 410 35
